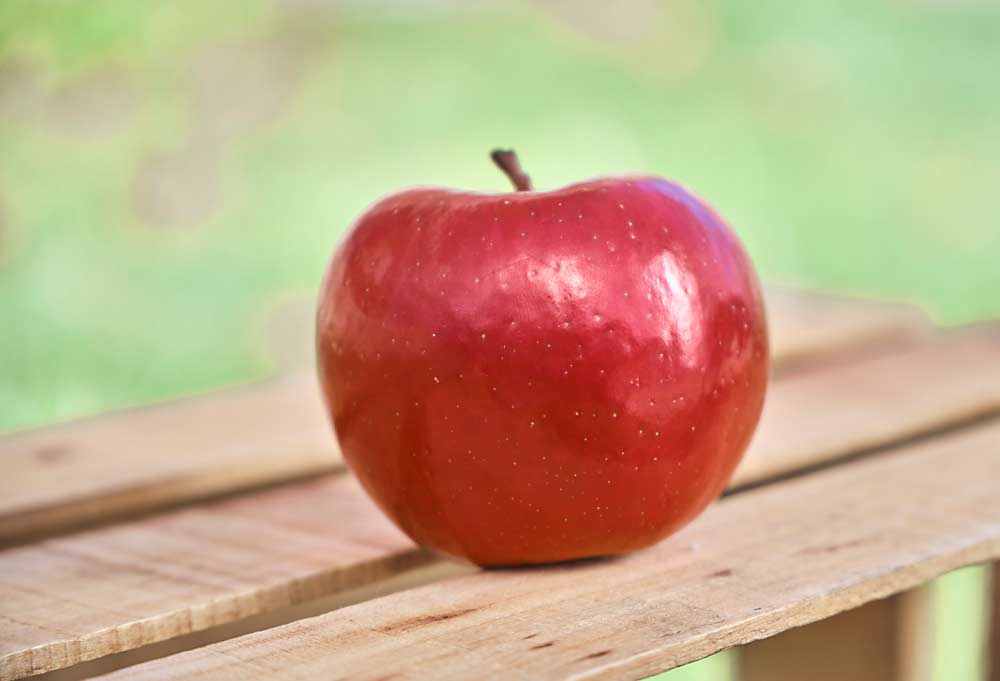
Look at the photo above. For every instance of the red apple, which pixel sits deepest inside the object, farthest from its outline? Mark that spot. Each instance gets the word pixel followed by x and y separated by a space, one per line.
pixel 542 375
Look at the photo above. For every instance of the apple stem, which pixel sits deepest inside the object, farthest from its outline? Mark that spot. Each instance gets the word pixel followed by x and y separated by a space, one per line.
pixel 507 161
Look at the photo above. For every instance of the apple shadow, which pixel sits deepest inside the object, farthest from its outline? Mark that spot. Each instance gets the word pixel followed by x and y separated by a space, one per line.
pixel 575 563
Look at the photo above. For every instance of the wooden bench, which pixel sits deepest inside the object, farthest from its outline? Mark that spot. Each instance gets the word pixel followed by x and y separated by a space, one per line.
pixel 221 537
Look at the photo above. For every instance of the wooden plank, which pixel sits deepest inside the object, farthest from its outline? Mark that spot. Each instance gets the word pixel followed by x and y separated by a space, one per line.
pixel 885 640
pixel 993 624
pixel 859 645
pixel 805 326
pixel 134 461
pixel 916 638
pixel 754 565
pixel 111 589
pixel 818 416
pixel 812 406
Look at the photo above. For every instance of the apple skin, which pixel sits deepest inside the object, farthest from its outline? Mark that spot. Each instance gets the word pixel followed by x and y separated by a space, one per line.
pixel 542 376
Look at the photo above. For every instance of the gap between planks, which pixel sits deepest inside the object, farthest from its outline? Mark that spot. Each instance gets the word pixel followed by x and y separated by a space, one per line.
pixel 208 564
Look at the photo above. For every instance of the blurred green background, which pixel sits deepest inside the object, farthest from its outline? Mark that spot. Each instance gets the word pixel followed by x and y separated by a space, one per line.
pixel 173 176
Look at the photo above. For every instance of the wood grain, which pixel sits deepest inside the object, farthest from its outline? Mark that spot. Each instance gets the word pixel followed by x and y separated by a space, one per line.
pixel 754 565
pixel 838 408
pixel 108 467
pixel 100 592
pixel 821 415
pixel 136 461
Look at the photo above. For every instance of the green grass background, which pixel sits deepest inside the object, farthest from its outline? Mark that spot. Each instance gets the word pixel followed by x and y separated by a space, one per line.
pixel 173 176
